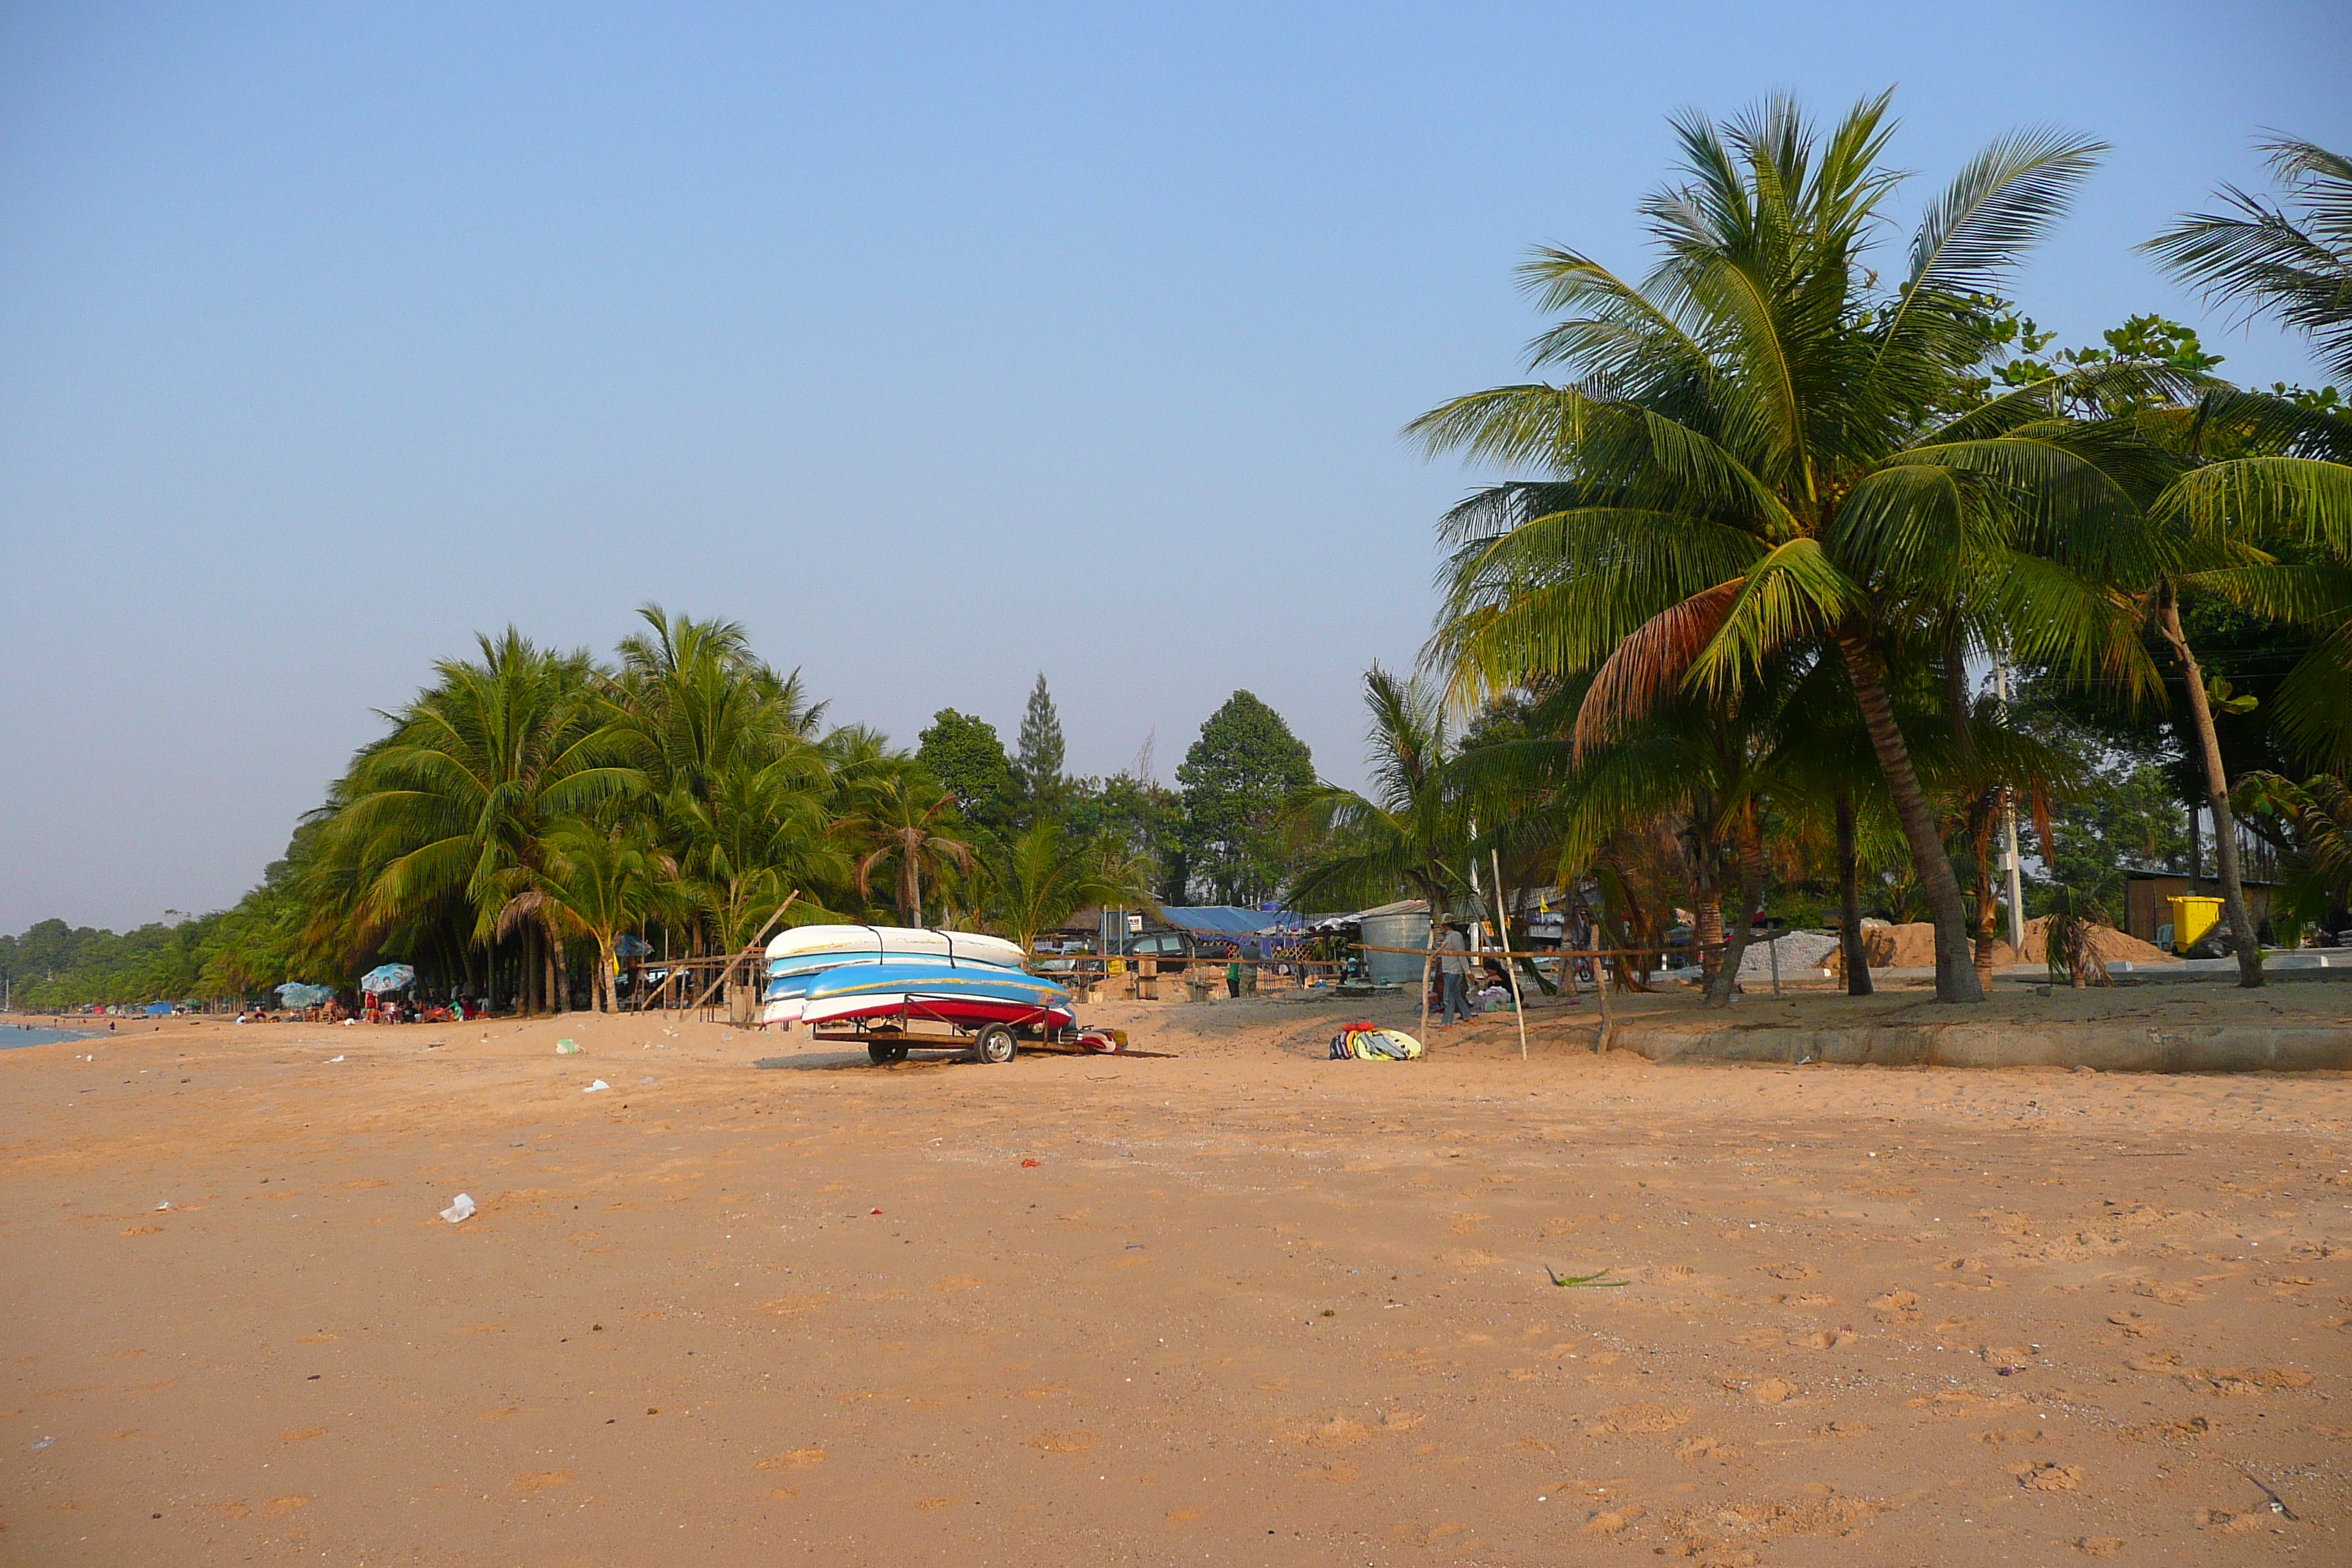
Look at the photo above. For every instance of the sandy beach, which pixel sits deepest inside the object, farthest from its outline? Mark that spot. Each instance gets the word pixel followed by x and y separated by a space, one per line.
pixel 759 1301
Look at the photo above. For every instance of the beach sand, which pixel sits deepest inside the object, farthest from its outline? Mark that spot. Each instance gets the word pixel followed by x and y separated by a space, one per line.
pixel 1246 1306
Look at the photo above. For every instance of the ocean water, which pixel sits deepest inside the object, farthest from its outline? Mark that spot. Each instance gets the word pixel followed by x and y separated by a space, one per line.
pixel 15 1034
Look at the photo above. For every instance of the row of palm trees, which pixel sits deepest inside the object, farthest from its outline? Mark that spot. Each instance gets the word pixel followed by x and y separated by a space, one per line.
pixel 543 805
pixel 1776 516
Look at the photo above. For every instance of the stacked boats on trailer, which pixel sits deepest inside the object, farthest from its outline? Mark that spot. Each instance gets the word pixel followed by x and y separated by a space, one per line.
pixel 847 975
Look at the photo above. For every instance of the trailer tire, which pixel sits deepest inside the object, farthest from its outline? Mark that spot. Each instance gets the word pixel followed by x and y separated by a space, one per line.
pixel 881 1053
pixel 996 1044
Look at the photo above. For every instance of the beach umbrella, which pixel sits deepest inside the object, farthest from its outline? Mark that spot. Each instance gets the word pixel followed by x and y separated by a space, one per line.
pixel 299 994
pixel 386 977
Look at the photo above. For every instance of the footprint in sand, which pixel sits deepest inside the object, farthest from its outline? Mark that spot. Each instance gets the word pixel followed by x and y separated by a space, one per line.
pixel 301 1434
pixel 1064 1442
pixel 1641 1419
pixel 2230 1521
pixel 1791 1271
pixel 541 1480
pixel 791 1459
pixel 2045 1475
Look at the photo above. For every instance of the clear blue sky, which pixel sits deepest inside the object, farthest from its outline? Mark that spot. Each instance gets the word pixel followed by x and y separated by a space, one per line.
pixel 940 345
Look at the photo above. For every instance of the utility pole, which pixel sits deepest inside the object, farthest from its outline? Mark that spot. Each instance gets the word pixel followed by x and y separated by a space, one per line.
pixel 2009 825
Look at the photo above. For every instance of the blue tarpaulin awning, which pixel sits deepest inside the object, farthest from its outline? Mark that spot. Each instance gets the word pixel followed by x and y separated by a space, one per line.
pixel 1227 919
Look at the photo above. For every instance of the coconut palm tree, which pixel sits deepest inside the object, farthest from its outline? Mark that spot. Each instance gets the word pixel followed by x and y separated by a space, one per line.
pixel 454 804
pixel 755 836
pixel 1763 452
pixel 1410 831
pixel 595 882
pixel 2293 484
pixel 726 747
pixel 1032 882
pixel 2297 266
pixel 905 816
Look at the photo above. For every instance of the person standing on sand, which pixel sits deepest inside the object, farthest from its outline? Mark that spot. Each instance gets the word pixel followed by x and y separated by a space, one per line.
pixel 1453 959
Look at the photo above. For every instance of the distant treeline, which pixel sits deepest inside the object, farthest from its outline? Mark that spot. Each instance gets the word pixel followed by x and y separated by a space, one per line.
pixel 532 813
pixel 53 967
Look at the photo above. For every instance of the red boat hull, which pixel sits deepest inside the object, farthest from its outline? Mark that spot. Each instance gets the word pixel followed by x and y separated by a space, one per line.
pixel 969 1012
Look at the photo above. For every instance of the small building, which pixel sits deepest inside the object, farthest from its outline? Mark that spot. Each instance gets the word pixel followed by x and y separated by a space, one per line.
pixel 2149 917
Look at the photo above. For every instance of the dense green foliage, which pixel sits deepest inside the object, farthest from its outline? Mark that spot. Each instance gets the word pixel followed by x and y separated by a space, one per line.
pixel 964 754
pixel 1236 780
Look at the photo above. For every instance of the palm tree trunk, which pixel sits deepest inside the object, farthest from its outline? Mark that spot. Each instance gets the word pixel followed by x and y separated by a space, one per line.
pixel 1981 837
pixel 1858 962
pixel 2217 796
pixel 1745 900
pixel 1956 979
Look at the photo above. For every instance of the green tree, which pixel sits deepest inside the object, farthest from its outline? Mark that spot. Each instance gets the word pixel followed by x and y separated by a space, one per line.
pixel 963 754
pixel 2294 488
pixel 594 882
pixel 1236 782
pixel 905 816
pixel 1412 831
pixel 2294 265
pixel 1144 821
pixel 1037 765
pixel 733 783
pixel 444 813
pixel 1758 455
pixel 1032 882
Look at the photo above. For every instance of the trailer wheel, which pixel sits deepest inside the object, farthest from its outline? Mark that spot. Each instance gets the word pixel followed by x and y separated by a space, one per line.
pixel 883 1052
pixel 996 1044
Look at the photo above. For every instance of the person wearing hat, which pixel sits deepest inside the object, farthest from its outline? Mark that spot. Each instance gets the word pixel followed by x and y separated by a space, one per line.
pixel 1453 959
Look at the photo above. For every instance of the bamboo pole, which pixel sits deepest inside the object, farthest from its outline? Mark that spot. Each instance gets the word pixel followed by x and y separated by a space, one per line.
pixel 1503 929
pixel 728 972
pixel 1428 963
pixel 1600 982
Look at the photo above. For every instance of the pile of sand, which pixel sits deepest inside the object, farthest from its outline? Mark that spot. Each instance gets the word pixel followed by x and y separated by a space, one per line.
pixel 2110 944
pixel 1913 946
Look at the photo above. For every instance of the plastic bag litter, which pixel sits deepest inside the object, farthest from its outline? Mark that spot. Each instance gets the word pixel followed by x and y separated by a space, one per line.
pixel 593 1087
pixel 567 1047
pixel 461 1208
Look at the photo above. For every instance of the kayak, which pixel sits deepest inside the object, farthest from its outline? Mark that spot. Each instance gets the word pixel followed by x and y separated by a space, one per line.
pixel 966 993
pixel 819 947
